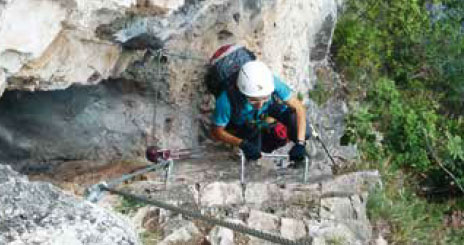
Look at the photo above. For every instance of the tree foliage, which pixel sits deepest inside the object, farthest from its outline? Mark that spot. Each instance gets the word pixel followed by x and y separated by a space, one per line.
pixel 404 63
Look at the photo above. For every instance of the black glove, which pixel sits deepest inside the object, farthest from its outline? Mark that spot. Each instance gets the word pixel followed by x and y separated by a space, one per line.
pixel 250 150
pixel 298 152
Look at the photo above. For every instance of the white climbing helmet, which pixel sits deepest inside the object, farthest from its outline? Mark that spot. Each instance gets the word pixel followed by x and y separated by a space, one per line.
pixel 255 79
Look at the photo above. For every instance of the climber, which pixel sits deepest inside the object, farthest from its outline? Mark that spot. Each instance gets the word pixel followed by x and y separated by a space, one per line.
pixel 256 111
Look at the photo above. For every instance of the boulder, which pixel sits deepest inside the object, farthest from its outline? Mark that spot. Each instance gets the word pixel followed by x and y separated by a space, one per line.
pixel 292 229
pixel 331 232
pixel 51 44
pixel 221 194
pixel 223 236
pixel 185 232
pixel 262 193
pixel 351 183
pixel 39 213
pixel 264 222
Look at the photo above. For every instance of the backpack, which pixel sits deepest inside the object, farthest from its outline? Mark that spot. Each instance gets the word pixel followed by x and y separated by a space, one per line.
pixel 224 66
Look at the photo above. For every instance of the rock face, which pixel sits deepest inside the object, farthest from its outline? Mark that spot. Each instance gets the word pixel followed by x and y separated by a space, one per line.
pixel 325 210
pixel 62 44
pixel 50 44
pixel 39 213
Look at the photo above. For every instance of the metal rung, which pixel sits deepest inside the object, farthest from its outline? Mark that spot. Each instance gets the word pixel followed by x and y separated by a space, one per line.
pixel 271 156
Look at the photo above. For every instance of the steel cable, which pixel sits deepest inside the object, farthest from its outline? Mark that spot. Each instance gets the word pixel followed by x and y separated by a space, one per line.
pixel 196 215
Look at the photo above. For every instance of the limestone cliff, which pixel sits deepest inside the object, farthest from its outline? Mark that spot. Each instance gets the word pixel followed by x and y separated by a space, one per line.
pixel 53 45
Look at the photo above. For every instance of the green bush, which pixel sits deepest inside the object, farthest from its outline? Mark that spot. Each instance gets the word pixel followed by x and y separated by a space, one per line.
pixel 402 40
pixel 404 63
pixel 412 130
pixel 406 128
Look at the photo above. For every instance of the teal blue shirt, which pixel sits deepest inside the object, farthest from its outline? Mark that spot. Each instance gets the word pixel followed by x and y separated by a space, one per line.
pixel 222 113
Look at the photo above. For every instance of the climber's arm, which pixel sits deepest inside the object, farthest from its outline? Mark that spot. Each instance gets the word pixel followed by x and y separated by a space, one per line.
pixel 300 110
pixel 220 133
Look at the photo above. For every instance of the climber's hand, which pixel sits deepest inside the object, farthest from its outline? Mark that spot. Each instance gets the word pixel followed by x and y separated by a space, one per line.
pixel 298 152
pixel 250 150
